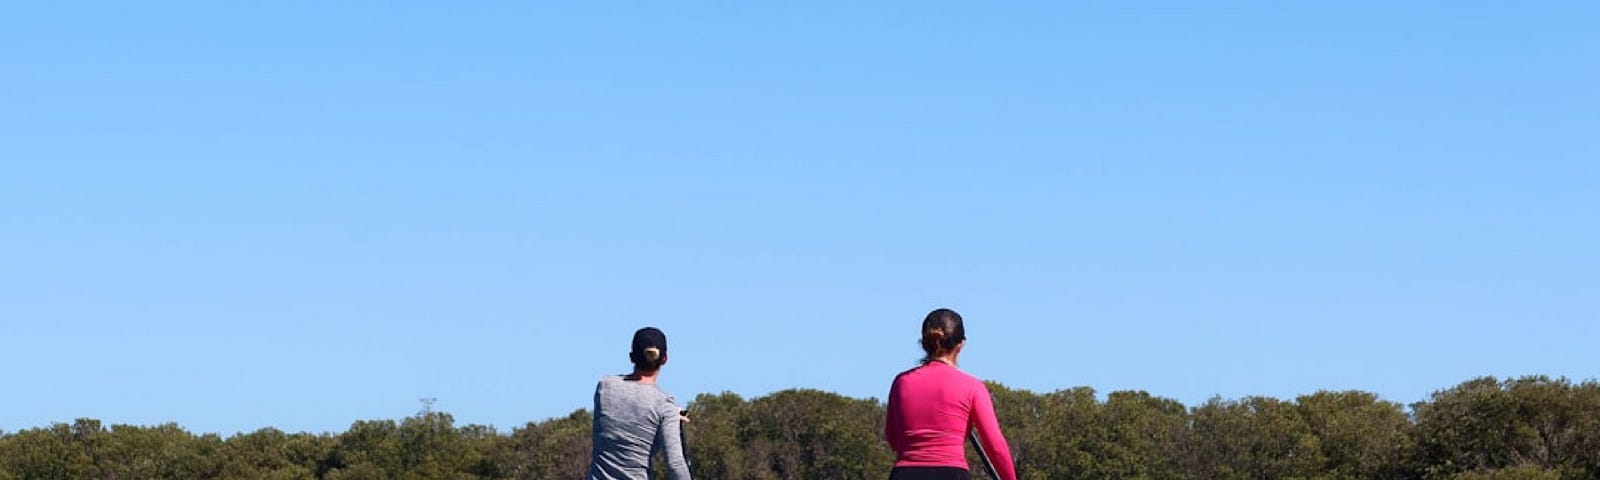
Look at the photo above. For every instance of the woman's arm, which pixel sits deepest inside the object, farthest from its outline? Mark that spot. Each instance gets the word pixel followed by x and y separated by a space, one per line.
pixel 988 427
pixel 670 437
pixel 891 424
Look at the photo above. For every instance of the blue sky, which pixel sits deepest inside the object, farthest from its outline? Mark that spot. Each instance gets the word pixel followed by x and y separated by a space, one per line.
pixel 301 215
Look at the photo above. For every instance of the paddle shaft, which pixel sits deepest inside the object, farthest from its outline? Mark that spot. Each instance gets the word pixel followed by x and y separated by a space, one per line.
pixel 988 467
pixel 683 439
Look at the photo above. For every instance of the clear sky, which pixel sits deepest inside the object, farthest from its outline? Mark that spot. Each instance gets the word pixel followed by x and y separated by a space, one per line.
pixel 299 215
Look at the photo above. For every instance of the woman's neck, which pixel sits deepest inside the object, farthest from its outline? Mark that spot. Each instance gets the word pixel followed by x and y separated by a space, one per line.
pixel 641 377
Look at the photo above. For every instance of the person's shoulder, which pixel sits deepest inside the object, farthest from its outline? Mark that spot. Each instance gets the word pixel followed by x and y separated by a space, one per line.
pixel 973 382
pixel 663 394
pixel 908 372
pixel 664 401
pixel 610 382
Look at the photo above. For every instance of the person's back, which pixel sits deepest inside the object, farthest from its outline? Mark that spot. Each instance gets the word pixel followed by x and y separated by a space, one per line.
pixel 932 407
pixel 630 419
pixel 634 418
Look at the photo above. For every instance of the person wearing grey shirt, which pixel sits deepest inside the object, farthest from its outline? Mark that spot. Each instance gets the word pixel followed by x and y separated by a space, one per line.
pixel 634 418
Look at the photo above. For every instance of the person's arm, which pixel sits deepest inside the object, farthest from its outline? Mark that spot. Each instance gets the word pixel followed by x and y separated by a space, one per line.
pixel 670 438
pixel 891 423
pixel 988 427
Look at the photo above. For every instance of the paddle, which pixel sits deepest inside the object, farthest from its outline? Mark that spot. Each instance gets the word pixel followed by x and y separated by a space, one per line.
pixel 683 439
pixel 988 467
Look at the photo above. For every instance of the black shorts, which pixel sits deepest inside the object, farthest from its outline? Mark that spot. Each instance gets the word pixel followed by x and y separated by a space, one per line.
pixel 929 473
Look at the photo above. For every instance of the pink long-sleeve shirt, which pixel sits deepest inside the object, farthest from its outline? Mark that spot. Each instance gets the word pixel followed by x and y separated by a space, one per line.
pixel 930 410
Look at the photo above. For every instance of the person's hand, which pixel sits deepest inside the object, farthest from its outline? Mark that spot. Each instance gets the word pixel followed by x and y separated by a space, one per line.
pixel 684 416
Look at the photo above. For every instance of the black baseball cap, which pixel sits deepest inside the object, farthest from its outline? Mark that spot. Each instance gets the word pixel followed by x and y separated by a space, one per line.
pixel 649 337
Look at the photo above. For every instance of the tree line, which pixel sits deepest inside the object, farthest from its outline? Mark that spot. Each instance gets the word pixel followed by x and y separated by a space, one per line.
pixel 1530 428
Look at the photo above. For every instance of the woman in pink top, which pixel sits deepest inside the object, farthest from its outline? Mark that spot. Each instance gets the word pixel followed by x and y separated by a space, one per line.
pixel 932 407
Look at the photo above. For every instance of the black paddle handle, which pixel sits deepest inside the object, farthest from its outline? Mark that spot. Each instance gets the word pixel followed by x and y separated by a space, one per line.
pixel 683 439
pixel 988 467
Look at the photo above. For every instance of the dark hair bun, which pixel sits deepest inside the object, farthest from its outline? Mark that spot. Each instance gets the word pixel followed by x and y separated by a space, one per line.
pixel 933 340
pixel 942 330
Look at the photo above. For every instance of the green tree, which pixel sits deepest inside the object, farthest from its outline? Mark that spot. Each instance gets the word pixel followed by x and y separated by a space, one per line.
pixel 1255 438
pixel 805 434
pixel 1021 416
pixel 1530 428
pixel 713 434
pixel 432 448
pixel 369 447
pixel 1360 436
pixel 1526 472
pixel 555 448
pixel 1069 429
pixel 1140 436
pixel 1486 425
pixel 164 451
pixel 57 452
pixel 1585 460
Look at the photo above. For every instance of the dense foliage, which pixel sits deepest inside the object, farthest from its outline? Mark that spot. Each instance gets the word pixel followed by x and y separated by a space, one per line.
pixel 1532 428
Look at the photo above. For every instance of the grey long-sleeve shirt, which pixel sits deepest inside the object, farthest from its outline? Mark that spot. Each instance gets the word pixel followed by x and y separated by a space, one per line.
pixel 632 420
